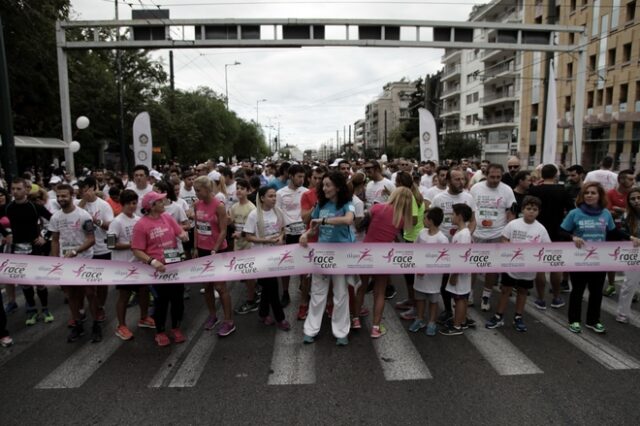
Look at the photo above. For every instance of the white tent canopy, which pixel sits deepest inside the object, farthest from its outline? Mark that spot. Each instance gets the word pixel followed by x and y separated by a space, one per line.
pixel 33 142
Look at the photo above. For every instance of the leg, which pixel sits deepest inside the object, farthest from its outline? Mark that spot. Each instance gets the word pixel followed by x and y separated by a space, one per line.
pixel 210 299
pixel 161 306
pixel 556 281
pixel 274 300
pixel 121 305
pixel 176 293
pixel 627 290
pixel 595 281
pixel 409 280
pixel 143 297
pixel 225 299
pixel 433 312
pixel 263 309
pixel 101 294
pixel 75 297
pixel 420 307
pixel 541 283
pixel 340 323
pixel 29 297
pixel 446 296
pixel 504 299
pixel 379 297
pixel 11 292
pixel 579 282
pixel 92 297
pixel 460 312
pixel 317 303
pixel 521 299
pixel 43 295
pixel 359 296
pixel 3 319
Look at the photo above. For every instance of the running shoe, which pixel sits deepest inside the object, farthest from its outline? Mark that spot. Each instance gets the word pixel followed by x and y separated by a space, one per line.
pixel 494 322
pixel 96 332
pixel 246 307
pixel 390 291
pixel 486 304
pixel 47 316
pixel 557 302
pixel 409 314
pixel 405 304
pixel 283 325
pixel 342 341
pixel 451 331
pixel 102 315
pixel 124 333
pixel 575 327
pixel 378 331
pixel 303 311
pixel 285 300
pixel 622 319
pixel 11 307
pixel 540 304
pixel 76 332
pixel 147 322
pixel 32 318
pixel 444 317
pixel 417 325
pixel 308 339
pixel 355 323
pixel 178 337
pixel 6 341
pixel 202 290
pixel 268 320
pixel 226 328
pixel 211 322
pixel 597 327
pixel 468 323
pixel 432 329
pixel 518 324
pixel 162 339
pixel 609 291
pixel 565 287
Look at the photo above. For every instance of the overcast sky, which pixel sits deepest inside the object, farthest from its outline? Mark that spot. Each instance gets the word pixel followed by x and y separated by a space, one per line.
pixel 310 92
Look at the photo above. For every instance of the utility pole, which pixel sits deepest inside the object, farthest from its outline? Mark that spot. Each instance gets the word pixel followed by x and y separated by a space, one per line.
pixel 172 105
pixel 9 162
pixel 385 131
pixel 123 145
pixel 551 17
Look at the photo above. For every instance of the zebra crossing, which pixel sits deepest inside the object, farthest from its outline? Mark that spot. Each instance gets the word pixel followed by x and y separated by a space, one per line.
pixel 400 354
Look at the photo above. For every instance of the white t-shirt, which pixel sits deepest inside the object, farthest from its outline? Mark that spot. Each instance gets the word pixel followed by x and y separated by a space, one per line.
pixel 491 209
pixel 606 178
pixel 429 283
pixel 426 180
pixel 519 231
pixel 231 195
pixel 122 227
pixel 476 178
pixel 189 197
pixel 288 201
pixel 358 204
pixel 431 193
pixel 177 212
pixel 141 193
pixel 463 285
pixel 374 191
pixel 73 228
pixel 271 226
pixel 100 210
pixel 445 200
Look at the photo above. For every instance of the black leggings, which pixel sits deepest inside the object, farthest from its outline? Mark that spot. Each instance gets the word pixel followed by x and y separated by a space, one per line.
pixel 3 319
pixel 168 293
pixel 446 296
pixel 270 298
pixel 30 298
pixel 594 281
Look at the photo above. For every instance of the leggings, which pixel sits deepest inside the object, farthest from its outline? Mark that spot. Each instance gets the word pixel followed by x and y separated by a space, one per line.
pixel 270 298
pixel 30 298
pixel 168 294
pixel 581 280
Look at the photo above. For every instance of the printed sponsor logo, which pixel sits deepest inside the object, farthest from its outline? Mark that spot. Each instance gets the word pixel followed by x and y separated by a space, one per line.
pixel 629 257
pixel 130 274
pixel 443 255
pixel 89 274
pixel 550 257
pixel 325 259
pixel 479 258
pixel 242 265
pixel 165 276
pixel 285 257
pixel 591 253
pixel 401 258
pixel 13 270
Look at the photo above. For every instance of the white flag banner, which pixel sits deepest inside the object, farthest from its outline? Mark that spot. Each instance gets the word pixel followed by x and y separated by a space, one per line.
pixel 551 121
pixel 428 136
pixel 142 141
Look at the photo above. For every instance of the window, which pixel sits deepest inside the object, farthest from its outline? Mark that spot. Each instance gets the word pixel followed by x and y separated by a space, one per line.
pixel 599 97
pixel 567 103
pixel 608 96
pixel 572 38
pixel 572 6
pixel 615 13
pixel 611 58
pixel 631 11
pixel 626 53
pixel 468 119
pixel 570 70
pixel 624 92
pixel 475 118
pixel 590 99
pixel 592 63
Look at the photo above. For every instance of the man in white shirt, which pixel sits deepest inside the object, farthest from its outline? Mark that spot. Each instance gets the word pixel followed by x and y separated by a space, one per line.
pixel 604 176
pixel 188 194
pixel 426 180
pixel 378 188
pixel 439 187
pixel 480 174
pixel 140 183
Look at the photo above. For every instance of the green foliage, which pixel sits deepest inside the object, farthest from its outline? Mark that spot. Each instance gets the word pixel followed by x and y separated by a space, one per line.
pixel 455 146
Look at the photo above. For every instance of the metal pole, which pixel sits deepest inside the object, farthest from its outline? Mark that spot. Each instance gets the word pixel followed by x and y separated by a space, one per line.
pixel 123 146
pixel 226 88
pixel 579 102
pixel 65 107
pixel 9 161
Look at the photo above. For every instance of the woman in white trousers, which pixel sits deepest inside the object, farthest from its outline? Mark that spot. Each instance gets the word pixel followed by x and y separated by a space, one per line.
pixel 631 277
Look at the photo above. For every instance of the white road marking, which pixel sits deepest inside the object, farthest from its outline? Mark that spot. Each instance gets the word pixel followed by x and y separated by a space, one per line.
pixel 610 306
pixel 503 355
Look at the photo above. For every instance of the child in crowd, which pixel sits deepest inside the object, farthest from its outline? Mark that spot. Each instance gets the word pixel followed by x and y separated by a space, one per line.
pixel 522 230
pixel 427 286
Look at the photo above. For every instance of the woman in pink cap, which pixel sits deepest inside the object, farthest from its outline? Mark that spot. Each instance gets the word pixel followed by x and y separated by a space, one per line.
pixel 154 243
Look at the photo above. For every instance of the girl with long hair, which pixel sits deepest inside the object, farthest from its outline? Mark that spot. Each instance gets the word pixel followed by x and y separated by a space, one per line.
pixel 631 225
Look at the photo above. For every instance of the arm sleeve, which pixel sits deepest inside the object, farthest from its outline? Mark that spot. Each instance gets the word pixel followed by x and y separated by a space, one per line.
pixel 42 212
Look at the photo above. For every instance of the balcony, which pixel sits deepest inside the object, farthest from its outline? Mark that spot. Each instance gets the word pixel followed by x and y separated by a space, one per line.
pixel 499 121
pixel 450 110
pixel 495 98
pixel 450 128
pixel 450 72
pixel 450 54
pixel 450 91
pixel 501 71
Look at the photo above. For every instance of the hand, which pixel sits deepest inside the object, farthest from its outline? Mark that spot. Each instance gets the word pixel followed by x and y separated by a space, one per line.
pixel 579 242
pixel 159 266
pixel 71 253
pixel 213 252
pixel 304 240
pixel 194 255
pixel 184 236
pixel 236 235
pixel 635 241
pixel 316 222
pixel 39 241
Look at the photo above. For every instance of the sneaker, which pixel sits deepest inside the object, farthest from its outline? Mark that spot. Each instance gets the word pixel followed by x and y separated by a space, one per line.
pixel 246 307
pixel 597 327
pixel 308 339
pixel 355 323
pixel 444 317
pixel 47 316
pixel 609 291
pixel 268 320
pixel 124 333
pixel 96 332
pixel 378 331
pixel 6 341
pixel 32 318
pixel 409 314
pixel 540 304
pixel 211 322
pixel 575 327
pixel 303 311
pixel 178 337
pixel 451 331
pixel 147 322
pixel 76 332
pixel 405 304
pixel 432 329
pixel 494 322
pixel 342 341
pixel 565 287
pixel 557 302
pixel 329 310
pixel 10 307
pixel 102 315
pixel 468 323
pixel 162 339
pixel 285 300
pixel 226 328
pixel 364 312
pixel 622 319
pixel 518 324
pixel 390 291
pixel 283 325
pixel 485 305
pixel 417 325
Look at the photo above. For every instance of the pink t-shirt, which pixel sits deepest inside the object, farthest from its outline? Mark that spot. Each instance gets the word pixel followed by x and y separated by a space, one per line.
pixel 155 235
pixel 381 229
pixel 207 225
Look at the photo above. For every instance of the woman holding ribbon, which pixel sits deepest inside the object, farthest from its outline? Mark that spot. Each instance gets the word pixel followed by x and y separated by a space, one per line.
pixel 631 225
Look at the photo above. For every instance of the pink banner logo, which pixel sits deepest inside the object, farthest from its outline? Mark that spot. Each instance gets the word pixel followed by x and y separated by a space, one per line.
pixel 389 256
pixel 517 254
pixel 13 270
pixel 591 252
pixel 310 255
pixel 55 269
pixel 244 267
pixel 286 256
pixel 364 254
pixel 207 266
pixel 443 255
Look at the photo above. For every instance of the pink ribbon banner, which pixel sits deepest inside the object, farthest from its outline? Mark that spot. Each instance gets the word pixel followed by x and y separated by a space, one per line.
pixel 330 259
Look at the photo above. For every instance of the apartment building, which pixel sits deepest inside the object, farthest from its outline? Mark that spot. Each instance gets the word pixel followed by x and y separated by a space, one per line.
pixel 359 131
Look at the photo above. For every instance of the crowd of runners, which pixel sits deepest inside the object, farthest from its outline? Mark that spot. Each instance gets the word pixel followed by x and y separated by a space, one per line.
pixel 178 212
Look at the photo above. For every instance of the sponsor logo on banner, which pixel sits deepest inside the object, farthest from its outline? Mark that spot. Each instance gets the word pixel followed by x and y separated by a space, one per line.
pixel 167 276
pixel 282 262
pixel 243 265
pixel 401 258
pixel 363 259
pixel 588 256
pixel 50 272
pixel 478 258
pixel 325 259
pixel 438 259
pixel 89 274
pixel 203 268
pixel 13 270
pixel 626 256
pixel 512 258
pixel 127 275
pixel 549 257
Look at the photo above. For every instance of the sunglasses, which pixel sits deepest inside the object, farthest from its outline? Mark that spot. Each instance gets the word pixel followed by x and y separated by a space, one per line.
pixel 513 167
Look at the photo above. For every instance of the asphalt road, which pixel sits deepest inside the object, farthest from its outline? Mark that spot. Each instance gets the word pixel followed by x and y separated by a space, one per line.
pixel 261 375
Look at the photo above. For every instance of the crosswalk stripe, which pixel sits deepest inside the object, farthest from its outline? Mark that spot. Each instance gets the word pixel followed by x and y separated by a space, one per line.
pixel 292 362
pixel 595 347
pixel 611 307
pixel 398 357
pixel 503 356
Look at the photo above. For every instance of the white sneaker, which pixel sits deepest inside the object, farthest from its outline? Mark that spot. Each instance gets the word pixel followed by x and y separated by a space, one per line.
pixel 486 304
pixel 470 300
pixel 6 341
pixel 622 319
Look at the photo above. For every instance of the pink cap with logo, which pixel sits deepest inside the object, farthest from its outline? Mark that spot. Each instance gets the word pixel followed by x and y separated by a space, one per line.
pixel 150 198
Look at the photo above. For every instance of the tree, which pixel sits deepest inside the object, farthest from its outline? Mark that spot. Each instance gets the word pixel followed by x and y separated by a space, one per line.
pixel 456 146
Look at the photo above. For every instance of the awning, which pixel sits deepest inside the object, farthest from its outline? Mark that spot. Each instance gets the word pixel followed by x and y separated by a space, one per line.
pixel 33 142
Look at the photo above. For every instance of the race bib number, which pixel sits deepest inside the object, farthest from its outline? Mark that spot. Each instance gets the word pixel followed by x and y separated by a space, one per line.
pixel 204 228
pixel 22 248
pixel 487 217
pixel 296 228
pixel 172 256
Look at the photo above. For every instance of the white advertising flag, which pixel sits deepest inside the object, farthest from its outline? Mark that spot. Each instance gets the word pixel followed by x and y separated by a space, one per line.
pixel 551 121
pixel 428 136
pixel 142 141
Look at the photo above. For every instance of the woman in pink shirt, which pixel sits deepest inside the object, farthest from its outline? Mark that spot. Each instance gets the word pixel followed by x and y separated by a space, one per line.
pixel 154 243
pixel 210 238
pixel 387 221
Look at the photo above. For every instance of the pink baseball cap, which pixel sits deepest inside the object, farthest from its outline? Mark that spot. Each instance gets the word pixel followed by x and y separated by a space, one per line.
pixel 150 198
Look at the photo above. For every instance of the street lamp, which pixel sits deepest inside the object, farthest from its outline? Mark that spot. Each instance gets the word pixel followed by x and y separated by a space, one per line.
pixel 226 87
pixel 257 109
